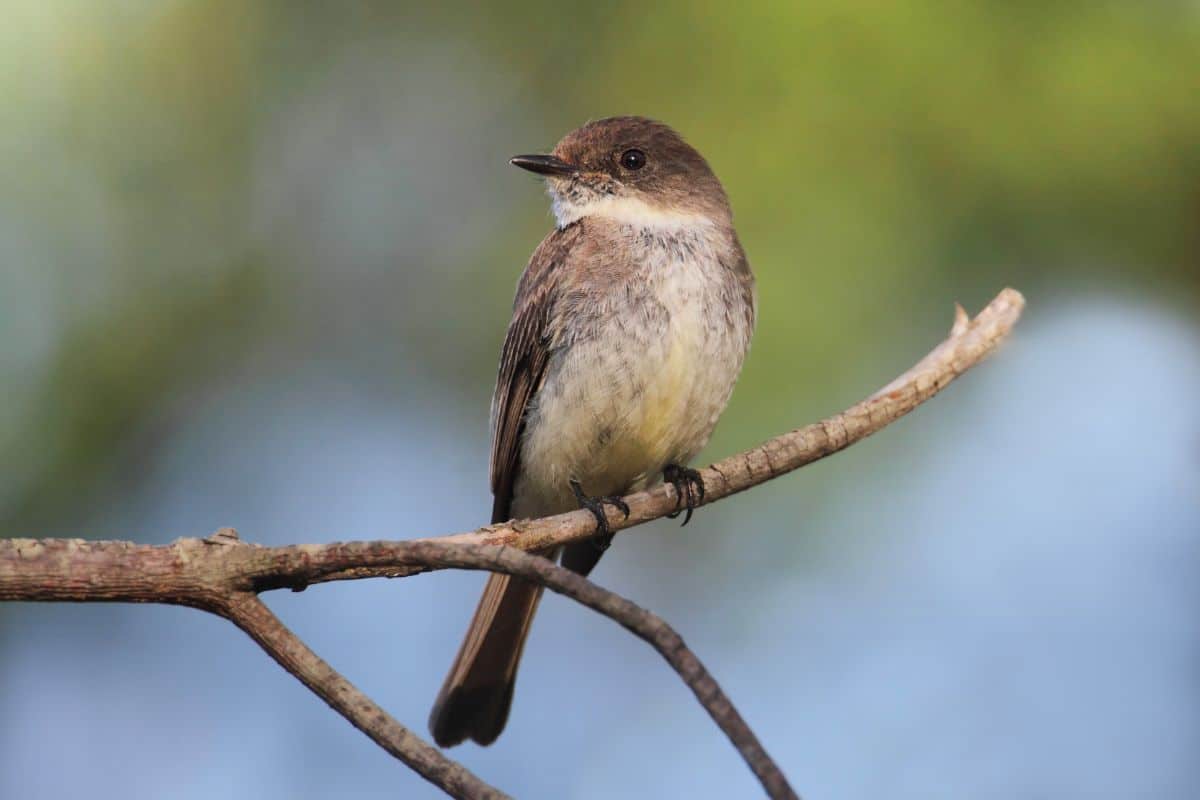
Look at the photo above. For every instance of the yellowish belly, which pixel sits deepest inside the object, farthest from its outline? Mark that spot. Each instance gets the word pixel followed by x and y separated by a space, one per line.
pixel 658 420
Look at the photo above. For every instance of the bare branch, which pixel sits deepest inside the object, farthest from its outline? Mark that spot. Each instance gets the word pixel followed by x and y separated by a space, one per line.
pixel 59 569
pixel 249 613
pixel 222 575
pixel 207 574
pixel 970 342
pixel 189 570
pixel 646 625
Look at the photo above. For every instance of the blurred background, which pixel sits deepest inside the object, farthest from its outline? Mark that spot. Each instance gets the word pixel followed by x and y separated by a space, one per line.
pixel 256 261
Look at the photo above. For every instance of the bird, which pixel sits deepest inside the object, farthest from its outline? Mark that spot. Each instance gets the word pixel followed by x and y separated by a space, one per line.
pixel 630 326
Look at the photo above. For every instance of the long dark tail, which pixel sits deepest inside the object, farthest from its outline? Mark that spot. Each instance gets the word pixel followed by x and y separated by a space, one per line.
pixel 477 694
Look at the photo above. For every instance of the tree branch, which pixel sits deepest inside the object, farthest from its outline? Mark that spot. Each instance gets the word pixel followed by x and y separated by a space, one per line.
pixel 970 342
pixel 642 623
pixel 223 575
pixel 245 610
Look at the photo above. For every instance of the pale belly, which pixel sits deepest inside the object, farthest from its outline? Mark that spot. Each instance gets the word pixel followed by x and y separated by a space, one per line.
pixel 644 391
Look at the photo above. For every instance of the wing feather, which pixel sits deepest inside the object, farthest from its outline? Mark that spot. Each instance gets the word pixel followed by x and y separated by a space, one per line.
pixel 527 348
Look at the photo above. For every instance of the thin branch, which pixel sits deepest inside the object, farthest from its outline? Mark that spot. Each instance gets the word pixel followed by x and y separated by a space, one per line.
pixel 970 342
pixel 79 570
pixel 222 575
pixel 250 614
pixel 644 624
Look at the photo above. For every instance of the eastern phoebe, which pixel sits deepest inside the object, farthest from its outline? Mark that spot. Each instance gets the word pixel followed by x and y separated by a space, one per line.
pixel 628 332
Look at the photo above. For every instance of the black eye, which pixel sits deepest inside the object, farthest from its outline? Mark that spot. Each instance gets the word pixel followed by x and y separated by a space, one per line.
pixel 633 159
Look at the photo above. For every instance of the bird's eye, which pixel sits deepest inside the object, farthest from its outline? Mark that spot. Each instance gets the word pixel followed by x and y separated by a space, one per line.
pixel 633 159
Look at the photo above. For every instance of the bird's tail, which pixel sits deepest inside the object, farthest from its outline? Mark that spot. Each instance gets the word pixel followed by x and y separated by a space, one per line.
pixel 477 694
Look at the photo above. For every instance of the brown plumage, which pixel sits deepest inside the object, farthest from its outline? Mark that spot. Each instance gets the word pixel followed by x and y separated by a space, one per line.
pixel 628 331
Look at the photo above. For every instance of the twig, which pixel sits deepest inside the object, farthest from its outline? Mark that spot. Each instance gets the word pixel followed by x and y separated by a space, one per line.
pixel 90 571
pixel 222 574
pixel 970 342
pixel 250 614
pixel 646 625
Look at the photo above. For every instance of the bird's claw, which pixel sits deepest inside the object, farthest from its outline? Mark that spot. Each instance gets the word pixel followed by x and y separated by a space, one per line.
pixel 689 490
pixel 603 536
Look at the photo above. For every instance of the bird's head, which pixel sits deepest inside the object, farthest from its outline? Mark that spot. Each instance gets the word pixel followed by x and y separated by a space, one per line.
pixel 630 169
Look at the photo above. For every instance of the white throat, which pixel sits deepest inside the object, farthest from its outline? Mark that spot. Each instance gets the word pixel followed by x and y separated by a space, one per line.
pixel 626 210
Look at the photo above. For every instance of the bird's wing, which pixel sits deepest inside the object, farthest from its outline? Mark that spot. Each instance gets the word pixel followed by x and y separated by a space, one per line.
pixel 527 348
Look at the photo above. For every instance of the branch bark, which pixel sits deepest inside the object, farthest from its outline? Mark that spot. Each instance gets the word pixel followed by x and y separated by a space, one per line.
pixel 970 342
pixel 222 575
pixel 249 613
pixel 642 623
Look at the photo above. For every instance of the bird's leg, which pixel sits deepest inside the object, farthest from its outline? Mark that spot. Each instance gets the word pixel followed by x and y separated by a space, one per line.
pixel 603 536
pixel 689 489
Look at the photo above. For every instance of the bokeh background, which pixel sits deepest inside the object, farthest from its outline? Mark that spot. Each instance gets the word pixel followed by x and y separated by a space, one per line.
pixel 256 260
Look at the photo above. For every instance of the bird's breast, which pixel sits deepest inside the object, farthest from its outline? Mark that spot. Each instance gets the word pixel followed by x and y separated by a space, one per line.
pixel 647 372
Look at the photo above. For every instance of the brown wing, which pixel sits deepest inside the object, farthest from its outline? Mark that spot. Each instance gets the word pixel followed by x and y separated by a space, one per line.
pixel 523 359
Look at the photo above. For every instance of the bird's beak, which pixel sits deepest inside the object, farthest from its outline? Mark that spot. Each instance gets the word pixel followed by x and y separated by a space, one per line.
pixel 543 165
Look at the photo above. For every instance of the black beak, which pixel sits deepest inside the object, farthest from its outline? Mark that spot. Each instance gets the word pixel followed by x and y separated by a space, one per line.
pixel 543 165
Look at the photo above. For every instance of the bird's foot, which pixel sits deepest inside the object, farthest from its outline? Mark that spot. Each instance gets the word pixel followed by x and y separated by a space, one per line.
pixel 603 536
pixel 689 490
